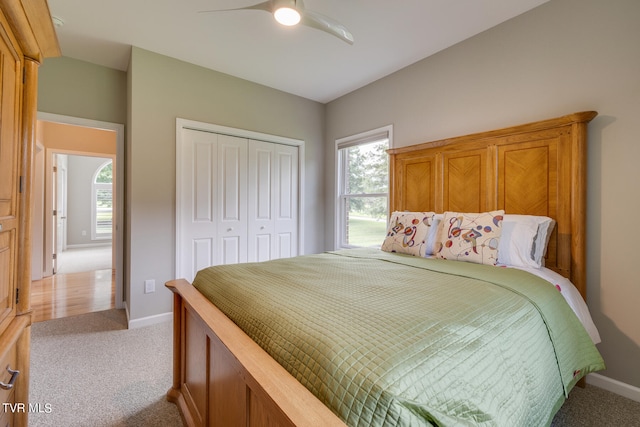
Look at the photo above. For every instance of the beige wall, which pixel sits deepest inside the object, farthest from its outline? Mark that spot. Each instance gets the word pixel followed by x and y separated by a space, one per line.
pixel 75 88
pixel 562 57
pixel 161 89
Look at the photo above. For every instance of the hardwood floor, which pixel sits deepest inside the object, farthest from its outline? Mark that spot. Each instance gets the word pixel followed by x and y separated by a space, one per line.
pixel 64 295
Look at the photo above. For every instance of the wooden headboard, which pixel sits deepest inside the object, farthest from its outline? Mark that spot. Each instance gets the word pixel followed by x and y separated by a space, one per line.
pixel 536 169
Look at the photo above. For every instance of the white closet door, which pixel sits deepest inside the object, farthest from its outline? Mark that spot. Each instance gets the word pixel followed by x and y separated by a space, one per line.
pixel 261 209
pixel 286 201
pixel 272 201
pixel 231 245
pixel 197 204
pixel 237 201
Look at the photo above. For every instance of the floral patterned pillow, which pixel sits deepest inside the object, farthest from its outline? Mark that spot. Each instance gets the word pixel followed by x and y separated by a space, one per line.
pixel 470 237
pixel 407 232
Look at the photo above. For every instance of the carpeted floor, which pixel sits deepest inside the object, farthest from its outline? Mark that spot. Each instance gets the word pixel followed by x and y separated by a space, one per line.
pixel 89 370
pixel 79 260
pixel 594 407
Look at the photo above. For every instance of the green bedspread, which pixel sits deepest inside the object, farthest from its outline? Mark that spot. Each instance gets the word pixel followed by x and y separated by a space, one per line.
pixel 387 339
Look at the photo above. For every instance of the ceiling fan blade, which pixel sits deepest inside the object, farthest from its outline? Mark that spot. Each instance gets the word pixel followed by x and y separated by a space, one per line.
pixel 266 6
pixel 328 25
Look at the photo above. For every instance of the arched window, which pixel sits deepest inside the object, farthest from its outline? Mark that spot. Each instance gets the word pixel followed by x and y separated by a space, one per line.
pixel 102 206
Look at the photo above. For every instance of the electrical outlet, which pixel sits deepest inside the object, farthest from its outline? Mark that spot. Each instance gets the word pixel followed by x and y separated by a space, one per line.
pixel 149 286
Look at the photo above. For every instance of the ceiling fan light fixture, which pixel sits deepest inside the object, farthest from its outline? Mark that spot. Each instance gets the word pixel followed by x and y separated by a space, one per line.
pixel 287 16
pixel 293 12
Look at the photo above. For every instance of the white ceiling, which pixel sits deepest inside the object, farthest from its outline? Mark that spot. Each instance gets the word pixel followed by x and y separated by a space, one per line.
pixel 389 35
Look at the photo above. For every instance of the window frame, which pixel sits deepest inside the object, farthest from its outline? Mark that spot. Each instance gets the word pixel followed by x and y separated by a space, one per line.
pixel 384 132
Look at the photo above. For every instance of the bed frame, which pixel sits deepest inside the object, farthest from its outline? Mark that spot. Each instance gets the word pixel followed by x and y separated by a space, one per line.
pixel 222 377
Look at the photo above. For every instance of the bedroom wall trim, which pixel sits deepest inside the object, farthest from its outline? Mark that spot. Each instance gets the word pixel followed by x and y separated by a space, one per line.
pixel 614 386
pixel 149 320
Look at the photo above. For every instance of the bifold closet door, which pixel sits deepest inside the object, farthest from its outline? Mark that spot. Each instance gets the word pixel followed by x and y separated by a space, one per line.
pixel 238 201
pixel 272 201
pixel 212 212
pixel 231 201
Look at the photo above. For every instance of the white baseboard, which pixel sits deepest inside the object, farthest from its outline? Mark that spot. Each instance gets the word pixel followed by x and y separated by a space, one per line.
pixel 614 386
pixel 150 320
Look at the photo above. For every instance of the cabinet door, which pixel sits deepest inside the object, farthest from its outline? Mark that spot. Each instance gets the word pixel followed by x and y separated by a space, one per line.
pixel 9 177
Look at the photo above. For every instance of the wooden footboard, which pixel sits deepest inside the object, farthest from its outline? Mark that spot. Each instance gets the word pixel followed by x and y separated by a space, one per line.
pixel 223 378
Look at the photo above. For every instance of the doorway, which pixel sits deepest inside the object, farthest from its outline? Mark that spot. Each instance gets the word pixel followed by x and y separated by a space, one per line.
pixel 75 152
pixel 83 207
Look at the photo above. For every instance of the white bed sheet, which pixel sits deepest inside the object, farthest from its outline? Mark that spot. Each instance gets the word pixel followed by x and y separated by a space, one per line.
pixel 571 295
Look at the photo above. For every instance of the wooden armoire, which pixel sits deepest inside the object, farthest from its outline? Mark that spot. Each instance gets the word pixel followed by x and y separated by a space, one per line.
pixel 27 36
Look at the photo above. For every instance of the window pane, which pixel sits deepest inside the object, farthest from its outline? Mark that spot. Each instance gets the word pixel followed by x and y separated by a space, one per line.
pixel 366 221
pixel 363 187
pixel 367 168
pixel 104 211
pixel 106 174
pixel 103 198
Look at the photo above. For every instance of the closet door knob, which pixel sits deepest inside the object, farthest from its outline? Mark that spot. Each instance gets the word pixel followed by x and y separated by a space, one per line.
pixel 229 229
pixel 12 381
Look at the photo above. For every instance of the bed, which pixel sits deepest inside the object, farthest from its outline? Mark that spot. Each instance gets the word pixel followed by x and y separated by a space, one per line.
pixel 420 332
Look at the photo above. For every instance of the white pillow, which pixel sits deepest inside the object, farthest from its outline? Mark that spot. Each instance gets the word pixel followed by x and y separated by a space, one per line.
pixel 545 228
pixel 524 240
pixel 432 234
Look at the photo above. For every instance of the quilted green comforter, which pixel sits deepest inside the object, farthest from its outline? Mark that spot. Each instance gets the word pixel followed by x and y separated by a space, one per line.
pixel 393 340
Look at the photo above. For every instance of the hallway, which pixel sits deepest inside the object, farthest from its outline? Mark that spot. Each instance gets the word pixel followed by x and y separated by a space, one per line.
pixel 64 295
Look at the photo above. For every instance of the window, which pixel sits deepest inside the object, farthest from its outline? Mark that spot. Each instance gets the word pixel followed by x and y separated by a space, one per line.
pixel 363 188
pixel 102 206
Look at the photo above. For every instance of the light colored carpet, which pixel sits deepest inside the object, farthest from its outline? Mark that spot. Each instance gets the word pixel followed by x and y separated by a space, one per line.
pixel 80 260
pixel 594 407
pixel 92 371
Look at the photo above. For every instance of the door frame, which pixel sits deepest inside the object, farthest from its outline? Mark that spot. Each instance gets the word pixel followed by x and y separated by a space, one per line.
pixel 185 124
pixel 118 240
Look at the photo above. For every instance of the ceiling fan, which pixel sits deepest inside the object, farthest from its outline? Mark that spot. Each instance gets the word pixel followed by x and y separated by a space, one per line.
pixel 293 12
